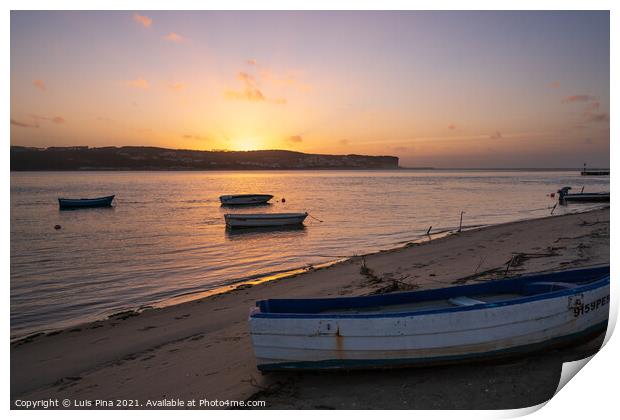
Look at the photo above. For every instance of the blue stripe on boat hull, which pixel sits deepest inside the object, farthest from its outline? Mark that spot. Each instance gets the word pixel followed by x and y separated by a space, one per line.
pixel 317 308
pixel 337 364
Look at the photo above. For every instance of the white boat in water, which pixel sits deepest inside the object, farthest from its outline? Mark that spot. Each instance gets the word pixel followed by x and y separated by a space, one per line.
pixel 245 199
pixel 472 322
pixel 264 219
pixel 565 196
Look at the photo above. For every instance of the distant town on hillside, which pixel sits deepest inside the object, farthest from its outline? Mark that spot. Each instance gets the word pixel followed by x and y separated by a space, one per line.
pixel 75 158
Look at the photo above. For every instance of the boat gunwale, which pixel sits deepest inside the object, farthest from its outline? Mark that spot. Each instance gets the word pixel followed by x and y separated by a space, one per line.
pixel 83 200
pixel 258 216
pixel 598 282
pixel 232 196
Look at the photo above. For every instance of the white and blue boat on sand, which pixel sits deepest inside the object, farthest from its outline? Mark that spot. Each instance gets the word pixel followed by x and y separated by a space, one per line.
pixel 256 220
pixel 245 199
pixel 77 203
pixel 463 323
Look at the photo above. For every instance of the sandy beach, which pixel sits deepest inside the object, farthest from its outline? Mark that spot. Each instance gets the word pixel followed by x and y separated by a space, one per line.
pixel 201 349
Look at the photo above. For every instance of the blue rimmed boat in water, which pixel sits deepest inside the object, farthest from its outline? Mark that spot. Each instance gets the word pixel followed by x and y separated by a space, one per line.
pixel 245 199
pixel 455 324
pixel 79 203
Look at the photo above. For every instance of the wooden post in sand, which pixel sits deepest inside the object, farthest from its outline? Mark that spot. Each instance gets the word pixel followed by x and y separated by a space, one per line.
pixel 461 222
pixel 428 232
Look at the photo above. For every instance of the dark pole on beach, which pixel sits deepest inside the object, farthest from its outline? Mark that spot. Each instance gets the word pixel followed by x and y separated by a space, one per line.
pixel 461 222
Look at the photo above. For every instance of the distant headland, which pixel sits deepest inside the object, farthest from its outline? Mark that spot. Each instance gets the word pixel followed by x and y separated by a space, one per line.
pixel 84 158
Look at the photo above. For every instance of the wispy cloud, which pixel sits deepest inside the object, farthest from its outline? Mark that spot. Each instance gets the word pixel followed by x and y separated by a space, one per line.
pixel 138 83
pixel 177 86
pixel 194 137
pixel 23 124
pixel 250 91
pixel 496 136
pixel 554 85
pixel 451 127
pixel 143 20
pixel 591 111
pixel 578 98
pixel 55 120
pixel 39 84
pixel 174 37
pixel 250 62
pixel 295 139
pixel 290 80
pixel 343 142
pixel 590 116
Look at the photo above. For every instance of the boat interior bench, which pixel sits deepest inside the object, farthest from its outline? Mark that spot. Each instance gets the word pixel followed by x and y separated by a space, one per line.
pixel 528 289
pixel 546 286
pixel 465 301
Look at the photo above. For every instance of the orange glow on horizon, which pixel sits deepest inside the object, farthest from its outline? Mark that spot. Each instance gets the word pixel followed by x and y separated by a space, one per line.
pixel 203 81
pixel 245 144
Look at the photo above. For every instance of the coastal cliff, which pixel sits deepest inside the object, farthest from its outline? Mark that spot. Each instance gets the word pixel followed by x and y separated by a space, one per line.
pixel 155 158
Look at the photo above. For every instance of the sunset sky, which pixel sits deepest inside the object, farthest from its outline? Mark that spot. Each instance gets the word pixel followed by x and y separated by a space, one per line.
pixel 445 89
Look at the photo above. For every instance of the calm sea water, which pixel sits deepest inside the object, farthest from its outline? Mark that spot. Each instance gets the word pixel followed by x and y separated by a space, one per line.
pixel 166 237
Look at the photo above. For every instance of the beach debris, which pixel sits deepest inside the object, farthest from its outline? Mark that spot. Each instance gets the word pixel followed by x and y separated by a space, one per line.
pixel 553 208
pixel 461 222
pixel 479 264
pixel 395 285
pixel 57 227
pixel 428 232
pixel 369 273
pixel 283 200
pixel 517 259
pixel 509 264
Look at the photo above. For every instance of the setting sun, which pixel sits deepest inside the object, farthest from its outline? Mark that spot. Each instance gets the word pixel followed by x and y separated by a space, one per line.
pixel 245 144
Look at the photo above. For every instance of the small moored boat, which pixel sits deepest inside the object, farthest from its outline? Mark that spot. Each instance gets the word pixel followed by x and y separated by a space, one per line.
pixel 264 219
pixel 594 172
pixel 76 203
pixel 461 323
pixel 245 199
pixel 565 196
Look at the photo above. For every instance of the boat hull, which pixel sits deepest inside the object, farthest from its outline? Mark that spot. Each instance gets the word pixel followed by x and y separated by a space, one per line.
pixel 376 340
pixel 586 198
pixel 245 199
pixel 264 220
pixel 68 203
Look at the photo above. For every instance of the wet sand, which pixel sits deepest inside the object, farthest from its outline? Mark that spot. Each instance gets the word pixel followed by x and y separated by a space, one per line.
pixel 201 349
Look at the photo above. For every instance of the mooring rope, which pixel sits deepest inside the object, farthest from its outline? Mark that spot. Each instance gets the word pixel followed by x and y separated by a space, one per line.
pixel 319 220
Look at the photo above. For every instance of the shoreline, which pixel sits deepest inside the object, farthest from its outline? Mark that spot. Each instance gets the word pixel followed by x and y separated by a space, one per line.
pixel 264 278
pixel 201 348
